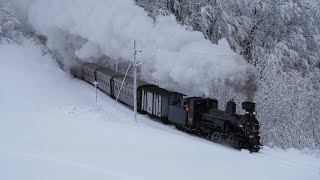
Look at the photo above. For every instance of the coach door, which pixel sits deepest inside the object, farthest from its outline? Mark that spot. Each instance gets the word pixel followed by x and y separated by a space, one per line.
pixel 149 102
pixel 111 87
pixel 144 101
pixel 157 105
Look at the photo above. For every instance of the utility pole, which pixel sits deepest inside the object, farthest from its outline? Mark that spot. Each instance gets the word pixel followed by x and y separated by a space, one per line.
pixel 135 66
pixel 96 85
pixel 135 80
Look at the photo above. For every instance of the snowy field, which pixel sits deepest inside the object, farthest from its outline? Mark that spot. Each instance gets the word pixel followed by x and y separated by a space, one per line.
pixel 52 129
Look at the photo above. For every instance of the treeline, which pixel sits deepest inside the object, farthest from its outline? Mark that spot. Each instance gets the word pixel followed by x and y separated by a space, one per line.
pixel 281 38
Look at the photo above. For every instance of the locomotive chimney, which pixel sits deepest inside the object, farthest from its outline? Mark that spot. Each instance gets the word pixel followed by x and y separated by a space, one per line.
pixel 249 106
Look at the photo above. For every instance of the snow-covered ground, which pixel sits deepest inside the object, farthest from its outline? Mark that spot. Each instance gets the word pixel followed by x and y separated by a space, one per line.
pixel 51 128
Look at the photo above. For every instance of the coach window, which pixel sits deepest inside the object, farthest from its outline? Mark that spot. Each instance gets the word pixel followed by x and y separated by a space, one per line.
pixel 176 101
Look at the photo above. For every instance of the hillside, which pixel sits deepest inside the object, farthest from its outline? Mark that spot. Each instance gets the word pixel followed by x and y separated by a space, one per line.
pixel 264 51
pixel 52 128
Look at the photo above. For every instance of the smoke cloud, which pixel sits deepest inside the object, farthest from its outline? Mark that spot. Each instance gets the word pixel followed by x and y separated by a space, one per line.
pixel 110 26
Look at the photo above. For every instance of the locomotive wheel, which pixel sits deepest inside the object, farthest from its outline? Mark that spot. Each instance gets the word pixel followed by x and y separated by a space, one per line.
pixel 215 137
pixel 253 150
pixel 179 127
pixel 165 121
pixel 238 145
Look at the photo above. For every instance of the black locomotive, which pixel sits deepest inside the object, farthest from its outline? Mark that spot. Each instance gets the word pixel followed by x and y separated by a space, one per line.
pixel 195 115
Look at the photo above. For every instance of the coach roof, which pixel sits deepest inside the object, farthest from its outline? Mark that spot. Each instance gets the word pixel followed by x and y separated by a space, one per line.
pixel 129 81
pixel 91 66
pixel 108 72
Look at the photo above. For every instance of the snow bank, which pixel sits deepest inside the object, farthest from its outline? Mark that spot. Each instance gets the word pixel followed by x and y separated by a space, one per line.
pixel 51 128
pixel 110 26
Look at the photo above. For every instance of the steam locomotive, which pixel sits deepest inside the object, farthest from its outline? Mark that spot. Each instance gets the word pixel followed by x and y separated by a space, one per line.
pixel 195 115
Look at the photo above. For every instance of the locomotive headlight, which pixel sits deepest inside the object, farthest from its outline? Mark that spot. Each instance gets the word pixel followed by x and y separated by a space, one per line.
pixel 254 113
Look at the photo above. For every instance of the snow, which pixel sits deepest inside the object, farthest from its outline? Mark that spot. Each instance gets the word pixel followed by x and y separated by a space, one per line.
pixel 51 128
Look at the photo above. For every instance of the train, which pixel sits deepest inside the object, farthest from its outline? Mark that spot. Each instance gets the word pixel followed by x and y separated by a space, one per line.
pixel 195 115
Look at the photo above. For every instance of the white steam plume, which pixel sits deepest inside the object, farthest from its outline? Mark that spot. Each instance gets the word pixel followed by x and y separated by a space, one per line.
pixel 110 26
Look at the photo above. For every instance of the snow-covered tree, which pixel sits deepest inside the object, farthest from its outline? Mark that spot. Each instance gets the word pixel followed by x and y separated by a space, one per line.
pixel 8 24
